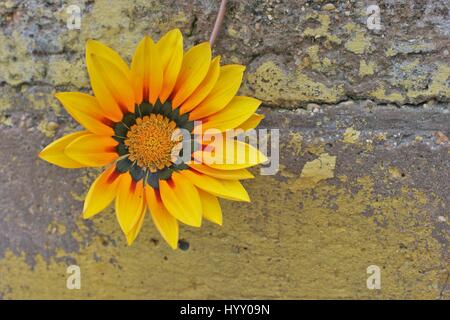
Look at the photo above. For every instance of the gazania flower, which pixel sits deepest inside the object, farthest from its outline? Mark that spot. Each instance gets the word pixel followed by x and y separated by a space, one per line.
pixel 130 123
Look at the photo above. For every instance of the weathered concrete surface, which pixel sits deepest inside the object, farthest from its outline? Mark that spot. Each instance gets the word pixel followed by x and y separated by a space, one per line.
pixel 364 174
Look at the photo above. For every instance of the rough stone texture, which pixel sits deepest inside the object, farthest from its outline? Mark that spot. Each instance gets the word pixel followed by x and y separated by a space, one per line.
pixel 364 169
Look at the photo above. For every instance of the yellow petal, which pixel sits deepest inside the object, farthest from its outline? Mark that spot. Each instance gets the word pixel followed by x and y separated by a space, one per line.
pixel 101 192
pixel 92 150
pixel 233 156
pixel 129 202
pixel 54 152
pixel 109 105
pixel 98 48
pixel 194 68
pixel 132 235
pixel 227 86
pixel 181 199
pixel 114 84
pixel 235 113
pixel 86 110
pixel 236 187
pixel 146 71
pixel 166 224
pixel 204 88
pixel 139 72
pixel 252 122
pixel 170 48
pixel 214 186
pixel 211 207
pixel 222 174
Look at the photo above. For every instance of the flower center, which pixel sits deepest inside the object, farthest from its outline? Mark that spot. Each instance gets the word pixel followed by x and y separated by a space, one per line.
pixel 153 142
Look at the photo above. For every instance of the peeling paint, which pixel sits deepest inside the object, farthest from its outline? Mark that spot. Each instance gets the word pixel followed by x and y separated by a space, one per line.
pixel 47 128
pixel 322 30
pixel 366 69
pixel 359 42
pixel 17 66
pixel 351 135
pixel 319 169
pixel 380 94
pixel 272 84
pixel 439 84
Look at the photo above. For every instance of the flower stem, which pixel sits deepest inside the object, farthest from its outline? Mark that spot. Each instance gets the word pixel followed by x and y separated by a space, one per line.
pixel 218 23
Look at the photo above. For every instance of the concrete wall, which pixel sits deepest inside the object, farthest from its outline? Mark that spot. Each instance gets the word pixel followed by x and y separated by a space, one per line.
pixel 364 169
